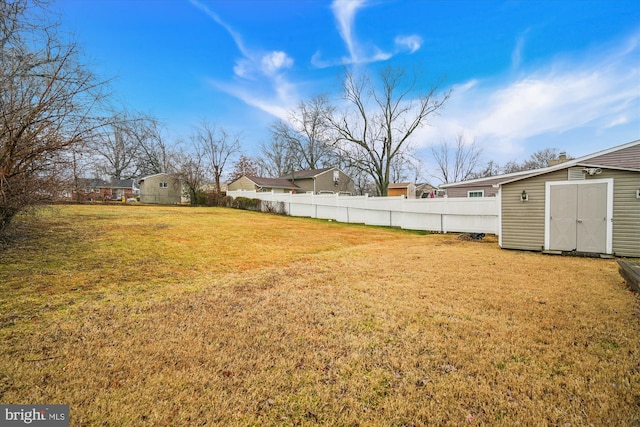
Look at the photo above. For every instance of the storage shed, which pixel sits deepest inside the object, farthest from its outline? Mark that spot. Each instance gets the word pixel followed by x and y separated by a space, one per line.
pixel 406 189
pixel 586 205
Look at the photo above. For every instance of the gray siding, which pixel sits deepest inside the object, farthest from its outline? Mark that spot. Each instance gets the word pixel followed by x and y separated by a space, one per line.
pixel 626 213
pixel 324 182
pixel 463 191
pixel 242 183
pixel 150 191
pixel 523 222
pixel 305 184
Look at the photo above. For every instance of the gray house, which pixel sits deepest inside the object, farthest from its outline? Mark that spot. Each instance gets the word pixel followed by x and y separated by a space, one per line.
pixel 256 183
pixel 160 188
pixel 587 205
pixel 325 180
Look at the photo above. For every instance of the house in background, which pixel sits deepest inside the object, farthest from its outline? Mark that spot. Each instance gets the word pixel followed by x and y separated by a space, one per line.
pixel 89 189
pixel 406 189
pixel 160 188
pixel 425 191
pixel 480 187
pixel 586 205
pixel 92 189
pixel 126 188
pixel 325 180
pixel 256 183
pixel 317 181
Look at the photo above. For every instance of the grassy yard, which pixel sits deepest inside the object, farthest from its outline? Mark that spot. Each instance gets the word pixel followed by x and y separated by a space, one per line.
pixel 139 315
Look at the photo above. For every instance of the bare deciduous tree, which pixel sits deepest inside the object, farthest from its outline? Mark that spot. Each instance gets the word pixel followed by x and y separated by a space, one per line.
pixel 218 148
pixel 490 169
pixel 304 142
pixel 382 118
pixel 456 163
pixel 131 145
pixel 244 166
pixel 115 149
pixel 47 99
pixel 276 158
pixel 155 155
pixel 311 139
pixel 191 171
pixel 539 159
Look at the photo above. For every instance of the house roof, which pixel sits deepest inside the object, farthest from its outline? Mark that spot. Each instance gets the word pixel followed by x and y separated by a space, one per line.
pixel 625 157
pixel 303 174
pixel 152 176
pixel 272 182
pixel 92 183
pixel 122 183
pixel 400 185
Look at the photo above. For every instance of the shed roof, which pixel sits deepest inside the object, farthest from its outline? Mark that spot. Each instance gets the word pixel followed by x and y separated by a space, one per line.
pixel 400 185
pixel 625 157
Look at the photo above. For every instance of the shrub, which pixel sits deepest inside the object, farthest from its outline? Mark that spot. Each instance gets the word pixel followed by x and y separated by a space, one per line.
pixel 212 198
pixel 226 201
pixel 255 205
pixel 246 203
pixel 274 207
pixel 198 198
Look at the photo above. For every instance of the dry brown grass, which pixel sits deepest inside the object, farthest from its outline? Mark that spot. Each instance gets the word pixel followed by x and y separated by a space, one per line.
pixel 180 316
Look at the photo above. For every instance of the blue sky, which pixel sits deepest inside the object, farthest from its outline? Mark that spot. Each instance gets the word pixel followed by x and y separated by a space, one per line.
pixel 527 75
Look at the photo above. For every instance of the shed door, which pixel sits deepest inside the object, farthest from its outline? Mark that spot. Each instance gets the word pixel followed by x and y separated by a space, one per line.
pixel 578 217
pixel 592 218
pixel 564 207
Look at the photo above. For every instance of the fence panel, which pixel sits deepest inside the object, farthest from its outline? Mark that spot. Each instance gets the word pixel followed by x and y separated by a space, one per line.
pixel 476 215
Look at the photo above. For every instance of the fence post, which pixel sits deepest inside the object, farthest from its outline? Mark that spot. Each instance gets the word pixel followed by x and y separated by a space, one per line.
pixel 314 204
pixel 445 213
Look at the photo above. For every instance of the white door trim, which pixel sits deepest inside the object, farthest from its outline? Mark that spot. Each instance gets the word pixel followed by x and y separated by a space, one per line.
pixel 609 221
pixel 499 200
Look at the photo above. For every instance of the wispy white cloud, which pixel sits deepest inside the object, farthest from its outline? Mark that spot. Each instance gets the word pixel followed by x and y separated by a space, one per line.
pixel 410 43
pixel 594 91
pixel 318 62
pixel 618 121
pixel 234 35
pixel 344 12
pixel 253 69
pixel 277 105
pixel 275 61
pixel 516 54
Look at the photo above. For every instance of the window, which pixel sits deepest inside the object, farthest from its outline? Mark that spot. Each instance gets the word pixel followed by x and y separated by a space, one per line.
pixel 164 185
pixel 476 193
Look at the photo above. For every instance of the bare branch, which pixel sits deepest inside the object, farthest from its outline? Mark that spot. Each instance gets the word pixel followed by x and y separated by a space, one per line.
pixel 376 131
pixel 47 102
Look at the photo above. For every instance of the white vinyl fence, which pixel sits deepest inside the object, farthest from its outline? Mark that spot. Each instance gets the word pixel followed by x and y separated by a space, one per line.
pixel 463 215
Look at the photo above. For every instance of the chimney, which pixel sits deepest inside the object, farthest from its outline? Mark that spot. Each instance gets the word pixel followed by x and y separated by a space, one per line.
pixel 562 157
